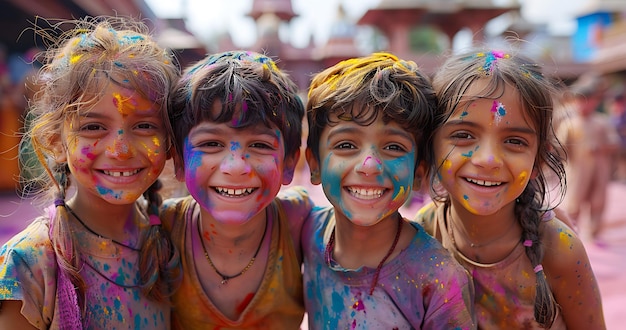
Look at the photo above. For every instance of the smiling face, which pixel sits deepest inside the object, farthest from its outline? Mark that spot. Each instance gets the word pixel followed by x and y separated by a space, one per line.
pixel 235 173
pixel 486 152
pixel 367 172
pixel 116 149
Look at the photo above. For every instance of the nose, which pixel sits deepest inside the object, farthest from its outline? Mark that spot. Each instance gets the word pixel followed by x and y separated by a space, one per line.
pixel 121 148
pixel 487 155
pixel 371 164
pixel 236 163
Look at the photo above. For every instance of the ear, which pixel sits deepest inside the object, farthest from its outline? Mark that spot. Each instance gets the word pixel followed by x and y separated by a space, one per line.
pixel 420 176
pixel 59 151
pixel 314 166
pixel 290 167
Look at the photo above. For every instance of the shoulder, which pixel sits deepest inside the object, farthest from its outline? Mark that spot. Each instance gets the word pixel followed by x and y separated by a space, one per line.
pixel 427 216
pixel 173 209
pixel 561 244
pixel 296 205
pixel 26 258
pixel 295 201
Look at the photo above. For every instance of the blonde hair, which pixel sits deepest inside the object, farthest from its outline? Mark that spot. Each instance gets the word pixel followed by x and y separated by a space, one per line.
pixel 77 67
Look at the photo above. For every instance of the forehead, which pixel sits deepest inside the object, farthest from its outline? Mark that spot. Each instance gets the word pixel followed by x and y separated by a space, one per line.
pixel 504 100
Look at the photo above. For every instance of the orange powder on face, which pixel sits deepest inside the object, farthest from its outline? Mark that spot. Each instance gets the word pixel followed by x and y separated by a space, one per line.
pixel 128 105
pixel 522 178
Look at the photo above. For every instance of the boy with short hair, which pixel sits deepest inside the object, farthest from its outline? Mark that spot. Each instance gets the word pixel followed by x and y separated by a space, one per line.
pixel 237 124
pixel 366 266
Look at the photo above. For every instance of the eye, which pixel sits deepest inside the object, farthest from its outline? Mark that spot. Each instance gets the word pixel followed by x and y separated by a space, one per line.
pixel 147 126
pixel 516 142
pixel 92 127
pixel 461 136
pixel 262 145
pixel 345 145
pixel 395 147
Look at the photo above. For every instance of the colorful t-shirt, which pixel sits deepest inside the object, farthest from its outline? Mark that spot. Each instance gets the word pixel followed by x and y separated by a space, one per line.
pixel 28 272
pixel 422 288
pixel 505 291
pixel 278 303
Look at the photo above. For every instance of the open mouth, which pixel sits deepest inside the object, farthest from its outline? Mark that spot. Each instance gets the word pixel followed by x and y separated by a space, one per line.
pixel 121 173
pixel 366 193
pixel 239 192
pixel 484 183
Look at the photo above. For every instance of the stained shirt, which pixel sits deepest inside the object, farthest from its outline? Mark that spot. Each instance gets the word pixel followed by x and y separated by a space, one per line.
pixel 28 272
pixel 505 290
pixel 278 303
pixel 421 288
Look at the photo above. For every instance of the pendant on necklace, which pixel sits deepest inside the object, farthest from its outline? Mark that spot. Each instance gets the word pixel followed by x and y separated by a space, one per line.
pixel 224 280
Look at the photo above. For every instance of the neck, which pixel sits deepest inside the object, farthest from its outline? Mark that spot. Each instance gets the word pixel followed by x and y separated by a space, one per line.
pixel 116 222
pixel 231 236
pixel 357 246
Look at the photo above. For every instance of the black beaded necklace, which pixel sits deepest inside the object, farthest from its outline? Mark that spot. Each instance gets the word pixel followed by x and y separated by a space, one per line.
pixel 95 233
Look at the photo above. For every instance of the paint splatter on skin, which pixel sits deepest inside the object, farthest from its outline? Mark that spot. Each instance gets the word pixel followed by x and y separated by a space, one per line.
pixel 498 112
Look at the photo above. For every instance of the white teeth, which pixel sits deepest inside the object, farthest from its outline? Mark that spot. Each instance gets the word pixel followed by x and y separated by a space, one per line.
pixel 366 193
pixel 484 183
pixel 118 174
pixel 234 192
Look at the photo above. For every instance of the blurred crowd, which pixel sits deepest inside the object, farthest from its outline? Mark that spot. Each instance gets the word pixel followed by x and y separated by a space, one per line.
pixel 17 85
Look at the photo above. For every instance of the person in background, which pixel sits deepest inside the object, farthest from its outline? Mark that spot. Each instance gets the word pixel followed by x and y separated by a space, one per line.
pixel 591 142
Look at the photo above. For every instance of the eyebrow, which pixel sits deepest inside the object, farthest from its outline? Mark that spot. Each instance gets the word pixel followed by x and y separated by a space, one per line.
pixel 462 122
pixel 255 130
pixel 387 132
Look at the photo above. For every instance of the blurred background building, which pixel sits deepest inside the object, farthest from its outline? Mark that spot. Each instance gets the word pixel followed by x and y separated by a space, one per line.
pixel 421 30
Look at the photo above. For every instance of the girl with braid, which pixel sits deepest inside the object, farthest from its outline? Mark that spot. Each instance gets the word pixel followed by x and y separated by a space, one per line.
pixel 97 258
pixel 495 162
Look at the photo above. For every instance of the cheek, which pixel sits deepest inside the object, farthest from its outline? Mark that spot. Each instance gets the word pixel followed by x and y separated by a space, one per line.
pixel 402 171
pixel 331 177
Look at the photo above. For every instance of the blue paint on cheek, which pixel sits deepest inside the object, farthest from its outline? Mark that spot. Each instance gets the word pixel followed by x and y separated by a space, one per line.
pixel 468 155
pixel 465 197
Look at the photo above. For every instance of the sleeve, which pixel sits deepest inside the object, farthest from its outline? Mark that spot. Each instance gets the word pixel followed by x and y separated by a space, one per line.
pixel 297 205
pixel 28 273
pixel 451 302
pixel 426 217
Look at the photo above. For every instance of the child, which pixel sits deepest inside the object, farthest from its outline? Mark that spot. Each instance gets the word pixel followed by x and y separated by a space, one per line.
pixel 96 259
pixel 592 142
pixel 237 123
pixel 365 266
pixel 493 153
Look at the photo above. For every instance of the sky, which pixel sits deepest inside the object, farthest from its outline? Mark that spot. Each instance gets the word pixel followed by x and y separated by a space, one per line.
pixel 210 18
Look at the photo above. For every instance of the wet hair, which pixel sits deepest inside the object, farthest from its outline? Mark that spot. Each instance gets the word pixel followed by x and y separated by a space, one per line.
pixel 537 95
pixel 362 89
pixel 77 68
pixel 251 89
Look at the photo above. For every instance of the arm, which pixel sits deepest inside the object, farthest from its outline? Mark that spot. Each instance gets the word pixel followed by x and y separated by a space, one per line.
pixel 571 278
pixel 11 316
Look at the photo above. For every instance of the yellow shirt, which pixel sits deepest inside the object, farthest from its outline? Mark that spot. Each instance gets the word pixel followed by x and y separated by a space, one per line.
pixel 278 303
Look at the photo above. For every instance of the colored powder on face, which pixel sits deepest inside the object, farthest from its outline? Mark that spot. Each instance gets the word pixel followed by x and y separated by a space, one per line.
pixel 497 112
pixel 234 146
pixel 522 178
pixel 128 105
pixel 468 154
pixel 106 191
